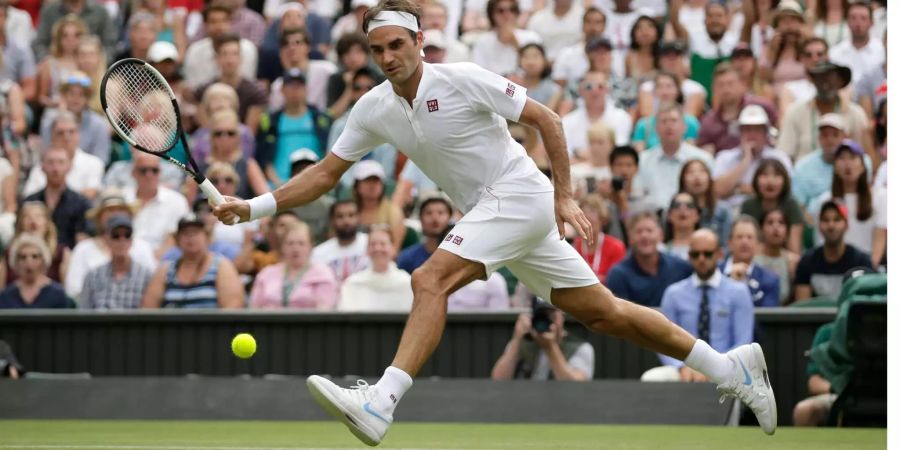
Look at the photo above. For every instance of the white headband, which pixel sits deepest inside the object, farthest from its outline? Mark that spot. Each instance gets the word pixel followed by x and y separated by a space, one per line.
pixel 397 18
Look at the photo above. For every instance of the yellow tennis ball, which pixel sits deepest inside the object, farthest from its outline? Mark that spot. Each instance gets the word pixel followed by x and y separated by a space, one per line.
pixel 243 346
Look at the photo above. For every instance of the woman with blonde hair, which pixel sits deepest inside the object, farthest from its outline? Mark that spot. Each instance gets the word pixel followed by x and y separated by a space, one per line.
pixel 92 61
pixel 62 60
pixel 295 281
pixel 218 97
pixel 34 218
pixel 32 288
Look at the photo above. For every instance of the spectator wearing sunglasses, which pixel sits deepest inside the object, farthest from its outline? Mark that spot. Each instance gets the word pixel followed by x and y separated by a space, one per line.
pixel 713 307
pixel 160 207
pixel 120 283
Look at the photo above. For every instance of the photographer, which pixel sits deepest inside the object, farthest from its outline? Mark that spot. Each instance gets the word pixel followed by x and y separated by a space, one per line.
pixel 542 349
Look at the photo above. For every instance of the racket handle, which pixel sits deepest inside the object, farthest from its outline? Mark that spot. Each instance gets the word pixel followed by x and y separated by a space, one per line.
pixel 215 198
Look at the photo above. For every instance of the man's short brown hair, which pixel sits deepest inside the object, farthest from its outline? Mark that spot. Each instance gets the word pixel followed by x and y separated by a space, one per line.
pixel 225 39
pixel 408 6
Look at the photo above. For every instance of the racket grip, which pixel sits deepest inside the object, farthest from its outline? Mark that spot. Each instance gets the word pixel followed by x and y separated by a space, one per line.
pixel 214 196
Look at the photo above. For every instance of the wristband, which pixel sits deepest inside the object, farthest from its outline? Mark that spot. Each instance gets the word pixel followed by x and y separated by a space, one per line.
pixel 262 206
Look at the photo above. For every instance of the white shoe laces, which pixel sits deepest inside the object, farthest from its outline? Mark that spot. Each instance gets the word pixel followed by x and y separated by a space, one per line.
pixel 361 385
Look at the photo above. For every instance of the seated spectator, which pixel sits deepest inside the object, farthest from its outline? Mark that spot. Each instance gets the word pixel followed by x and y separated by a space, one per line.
pixel 435 213
pixel 719 128
pixel 141 33
pixel 682 219
pixel 742 243
pixel 666 91
pixel 247 23
pixel 735 168
pixel 352 22
pixel 92 61
pixel 490 294
pixel 34 218
pixel 671 59
pixel 85 174
pixel 715 308
pixel 593 90
pixel 813 172
pixel 640 61
pixel 661 165
pixel 558 25
pixel 548 354
pixel 298 125
pixel 593 174
pixel 743 59
pixel 251 98
pixel 382 286
pixel 295 281
pixel 781 57
pixel 571 63
pixel 814 50
pixel 345 253
pixel 866 207
pixel 94 252
pixel 861 51
pixel 30 258
pixel 61 61
pixel 435 17
pixel 199 279
pixel 218 97
pixel 314 213
pixel 93 14
pixel 67 207
pixel 644 274
pixel 226 149
pixel 374 206
pixel 160 207
pixel 120 175
pixel 497 49
pixel 170 22
pixel 629 196
pixel 821 270
pixel 535 77
pixel 289 16
pixel 119 284
pixel 772 189
pixel 217 23
pixel 709 45
pixel 773 253
pixel 254 256
pixel 814 410
pixel 93 129
pixel 352 55
pixel 696 179
pixel 605 251
pixel 796 136
pixel 294 54
pixel 226 239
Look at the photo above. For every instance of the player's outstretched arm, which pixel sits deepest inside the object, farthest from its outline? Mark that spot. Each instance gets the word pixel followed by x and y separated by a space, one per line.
pixel 549 125
pixel 307 186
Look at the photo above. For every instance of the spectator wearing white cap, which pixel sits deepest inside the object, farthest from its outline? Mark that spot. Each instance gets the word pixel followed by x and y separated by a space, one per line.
pixel 435 16
pixel 497 50
pixel 369 193
pixel 734 168
pixel 199 68
pixel 558 24
pixel 314 213
pixel 813 172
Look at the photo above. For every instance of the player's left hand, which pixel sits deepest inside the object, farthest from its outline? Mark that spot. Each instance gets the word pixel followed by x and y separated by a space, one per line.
pixel 567 211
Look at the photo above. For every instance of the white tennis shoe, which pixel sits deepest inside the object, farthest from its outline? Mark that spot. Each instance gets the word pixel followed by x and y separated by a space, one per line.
pixel 750 383
pixel 354 407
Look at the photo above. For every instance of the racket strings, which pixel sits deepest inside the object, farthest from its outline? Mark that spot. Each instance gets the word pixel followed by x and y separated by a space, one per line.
pixel 140 106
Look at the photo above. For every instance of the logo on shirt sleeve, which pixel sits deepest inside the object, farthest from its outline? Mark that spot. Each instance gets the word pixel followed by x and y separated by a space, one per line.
pixel 456 239
pixel 510 89
pixel 432 105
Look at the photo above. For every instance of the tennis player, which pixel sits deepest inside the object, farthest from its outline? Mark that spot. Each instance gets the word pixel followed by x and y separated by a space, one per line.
pixel 450 119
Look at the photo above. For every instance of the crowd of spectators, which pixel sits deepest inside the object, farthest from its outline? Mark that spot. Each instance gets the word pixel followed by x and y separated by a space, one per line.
pixel 761 123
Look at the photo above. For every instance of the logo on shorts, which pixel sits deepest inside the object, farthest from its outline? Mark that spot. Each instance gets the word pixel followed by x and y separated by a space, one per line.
pixel 457 239
pixel 432 105
pixel 510 89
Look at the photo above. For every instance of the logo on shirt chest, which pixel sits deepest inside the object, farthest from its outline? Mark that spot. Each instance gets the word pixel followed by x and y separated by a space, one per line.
pixel 510 89
pixel 432 105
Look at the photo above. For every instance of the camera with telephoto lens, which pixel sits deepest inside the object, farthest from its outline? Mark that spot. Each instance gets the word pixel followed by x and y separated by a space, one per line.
pixel 541 316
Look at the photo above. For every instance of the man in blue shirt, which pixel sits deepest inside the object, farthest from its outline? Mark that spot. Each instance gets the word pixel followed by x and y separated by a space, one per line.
pixel 646 272
pixel 434 213
pixel 708 305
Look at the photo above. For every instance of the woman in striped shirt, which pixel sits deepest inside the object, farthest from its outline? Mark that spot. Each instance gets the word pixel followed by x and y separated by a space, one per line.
pixel 199 278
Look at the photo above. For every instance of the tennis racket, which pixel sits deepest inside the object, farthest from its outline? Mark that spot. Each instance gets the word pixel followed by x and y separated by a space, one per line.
pixel 141 107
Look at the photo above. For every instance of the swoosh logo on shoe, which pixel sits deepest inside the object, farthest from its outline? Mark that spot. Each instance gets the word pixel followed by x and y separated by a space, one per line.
pixel 748 380
pixel 368 407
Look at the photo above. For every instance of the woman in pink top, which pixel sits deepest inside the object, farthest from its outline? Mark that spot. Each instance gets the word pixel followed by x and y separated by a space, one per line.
pixel 295 281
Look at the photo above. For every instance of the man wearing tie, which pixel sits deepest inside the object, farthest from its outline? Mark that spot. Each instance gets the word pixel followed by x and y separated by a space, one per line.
pixel 708 305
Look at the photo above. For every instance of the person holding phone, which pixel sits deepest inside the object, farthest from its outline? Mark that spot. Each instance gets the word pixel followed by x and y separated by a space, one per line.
pixel 542 349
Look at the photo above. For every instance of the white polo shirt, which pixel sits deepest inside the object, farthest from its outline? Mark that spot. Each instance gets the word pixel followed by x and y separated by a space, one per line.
pixel 729 159
pixel 557 32
pixel 493 55
pixel 860 60
pixel 455 131
pixel 576 123
pixel 159 217
pixel 86 173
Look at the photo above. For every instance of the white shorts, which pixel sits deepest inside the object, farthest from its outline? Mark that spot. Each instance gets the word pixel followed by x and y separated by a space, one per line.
pixel 519 231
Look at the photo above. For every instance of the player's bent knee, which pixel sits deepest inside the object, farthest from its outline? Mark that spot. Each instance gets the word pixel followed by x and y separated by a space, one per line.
pixel 425 283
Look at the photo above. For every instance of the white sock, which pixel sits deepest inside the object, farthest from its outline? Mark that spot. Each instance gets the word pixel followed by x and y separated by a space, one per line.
pixel 709 362
pixel 391 387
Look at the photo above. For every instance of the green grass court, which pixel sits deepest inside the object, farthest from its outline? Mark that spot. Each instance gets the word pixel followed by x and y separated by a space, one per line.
pixel 191 435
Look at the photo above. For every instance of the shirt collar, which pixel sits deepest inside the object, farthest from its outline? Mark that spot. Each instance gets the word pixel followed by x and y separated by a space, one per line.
pixel 726 268
pixel 712 282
